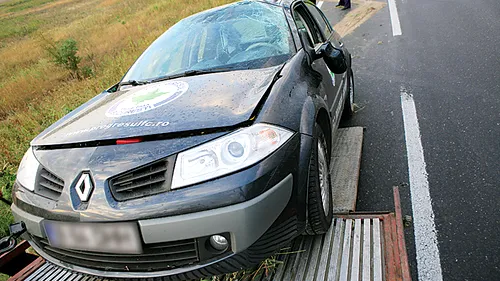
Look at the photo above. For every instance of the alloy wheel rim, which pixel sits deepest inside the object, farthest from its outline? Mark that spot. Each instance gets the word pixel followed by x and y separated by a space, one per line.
pixel 323 178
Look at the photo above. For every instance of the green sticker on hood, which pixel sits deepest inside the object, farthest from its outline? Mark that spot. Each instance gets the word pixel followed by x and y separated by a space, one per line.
pixel 148 98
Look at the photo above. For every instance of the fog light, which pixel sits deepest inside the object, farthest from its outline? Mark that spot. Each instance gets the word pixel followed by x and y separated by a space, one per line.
pixel 219 242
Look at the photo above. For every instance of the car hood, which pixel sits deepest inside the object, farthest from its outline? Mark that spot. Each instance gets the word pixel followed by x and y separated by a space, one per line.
pixel 200 102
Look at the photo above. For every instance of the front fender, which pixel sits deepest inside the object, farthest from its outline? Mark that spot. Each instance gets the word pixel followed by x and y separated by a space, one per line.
pixel 311 107
pixel 294 101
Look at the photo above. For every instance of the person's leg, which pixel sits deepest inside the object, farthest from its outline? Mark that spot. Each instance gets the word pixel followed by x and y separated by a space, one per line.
pixel 341 3
pixel 347 4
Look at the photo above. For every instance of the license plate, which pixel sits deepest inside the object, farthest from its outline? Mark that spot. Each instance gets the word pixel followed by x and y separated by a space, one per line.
pixel 120 238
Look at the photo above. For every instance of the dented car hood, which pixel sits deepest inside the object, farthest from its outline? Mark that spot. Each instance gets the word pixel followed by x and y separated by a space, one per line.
pixel 184 104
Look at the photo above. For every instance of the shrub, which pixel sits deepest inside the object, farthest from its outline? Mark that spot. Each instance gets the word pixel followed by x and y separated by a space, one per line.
pixel 64 53
pixel 87 72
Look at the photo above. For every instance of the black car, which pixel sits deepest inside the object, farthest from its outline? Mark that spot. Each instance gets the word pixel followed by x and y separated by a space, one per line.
pixel 211 153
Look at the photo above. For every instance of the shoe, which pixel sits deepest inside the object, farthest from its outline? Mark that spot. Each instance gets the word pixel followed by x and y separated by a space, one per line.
pixel 345 8
pixel 338 5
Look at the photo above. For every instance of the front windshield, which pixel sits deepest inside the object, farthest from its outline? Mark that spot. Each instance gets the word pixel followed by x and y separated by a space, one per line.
pixel 245 35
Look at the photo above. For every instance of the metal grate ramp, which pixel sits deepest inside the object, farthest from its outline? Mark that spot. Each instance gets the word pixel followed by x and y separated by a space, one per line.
pixel 351 250
pixel 52 272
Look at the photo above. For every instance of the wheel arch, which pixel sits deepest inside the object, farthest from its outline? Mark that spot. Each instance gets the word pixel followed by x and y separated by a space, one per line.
pixel 323 120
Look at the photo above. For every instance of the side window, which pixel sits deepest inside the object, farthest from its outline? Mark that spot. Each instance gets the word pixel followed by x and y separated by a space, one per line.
pixel 303 21
pixel 323 23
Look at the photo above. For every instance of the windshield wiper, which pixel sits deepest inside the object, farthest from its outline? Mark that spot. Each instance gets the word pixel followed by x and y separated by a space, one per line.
pixel 133 83
pixel 191 72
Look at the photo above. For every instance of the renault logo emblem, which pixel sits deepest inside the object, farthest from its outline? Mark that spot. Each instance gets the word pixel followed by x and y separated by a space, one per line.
pixel 84 187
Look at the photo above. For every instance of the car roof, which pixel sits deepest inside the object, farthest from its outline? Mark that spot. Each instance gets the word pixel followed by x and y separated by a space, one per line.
pixel 280 3
pixel 284 3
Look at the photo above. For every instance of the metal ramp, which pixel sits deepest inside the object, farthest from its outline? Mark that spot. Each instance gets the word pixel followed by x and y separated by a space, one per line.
pixel 358 246
pixel 351 250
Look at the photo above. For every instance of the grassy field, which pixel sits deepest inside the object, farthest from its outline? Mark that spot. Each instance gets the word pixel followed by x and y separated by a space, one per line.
pixel 35 92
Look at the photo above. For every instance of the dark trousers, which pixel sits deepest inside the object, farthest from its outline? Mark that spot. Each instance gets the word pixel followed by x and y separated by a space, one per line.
pixel 345 3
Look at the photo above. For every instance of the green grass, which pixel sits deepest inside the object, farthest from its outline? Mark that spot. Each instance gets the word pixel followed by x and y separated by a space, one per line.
pixel 18 27
pixel 7 177
pixel 20 5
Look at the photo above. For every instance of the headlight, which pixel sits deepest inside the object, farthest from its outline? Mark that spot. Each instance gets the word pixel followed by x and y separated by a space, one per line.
pixel 26 174
pixel 228 154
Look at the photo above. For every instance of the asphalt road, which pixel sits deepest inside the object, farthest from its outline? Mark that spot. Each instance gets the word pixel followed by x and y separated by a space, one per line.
pixel 448 59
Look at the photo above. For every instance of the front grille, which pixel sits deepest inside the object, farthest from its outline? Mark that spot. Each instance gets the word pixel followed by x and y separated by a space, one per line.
pixel 49 185
pixel 145 181
pixel 161 256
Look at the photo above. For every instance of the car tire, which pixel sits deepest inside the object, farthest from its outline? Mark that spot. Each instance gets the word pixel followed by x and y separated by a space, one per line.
pixel 319 205
pixel 349 100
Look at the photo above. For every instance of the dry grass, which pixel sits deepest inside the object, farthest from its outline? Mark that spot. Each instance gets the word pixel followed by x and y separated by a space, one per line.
pixel 34 92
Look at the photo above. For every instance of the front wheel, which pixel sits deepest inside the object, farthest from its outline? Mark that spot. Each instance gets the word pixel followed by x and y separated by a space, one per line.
pixel 320 205
pixel 349 99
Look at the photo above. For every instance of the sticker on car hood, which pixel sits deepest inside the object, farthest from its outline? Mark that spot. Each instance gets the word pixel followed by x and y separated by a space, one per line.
pixel 143 123
pixel 148 98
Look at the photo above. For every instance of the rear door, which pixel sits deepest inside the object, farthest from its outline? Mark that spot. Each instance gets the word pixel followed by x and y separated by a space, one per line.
pixel 305 21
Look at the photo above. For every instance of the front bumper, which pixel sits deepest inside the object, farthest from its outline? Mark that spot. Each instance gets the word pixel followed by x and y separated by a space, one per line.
pixel 245 222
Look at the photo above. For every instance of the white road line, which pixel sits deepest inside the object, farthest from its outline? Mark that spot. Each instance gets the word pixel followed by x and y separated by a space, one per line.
pixel 320 3
pixel 393 11
pixel 428 260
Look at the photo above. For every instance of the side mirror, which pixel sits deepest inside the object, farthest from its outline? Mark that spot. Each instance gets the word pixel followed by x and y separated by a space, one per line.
pixel 334 58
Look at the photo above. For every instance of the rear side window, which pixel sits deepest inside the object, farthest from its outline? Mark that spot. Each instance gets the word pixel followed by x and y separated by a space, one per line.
pixel 322 22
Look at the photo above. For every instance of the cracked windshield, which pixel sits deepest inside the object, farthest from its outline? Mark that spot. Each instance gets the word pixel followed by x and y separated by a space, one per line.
pixel 249 35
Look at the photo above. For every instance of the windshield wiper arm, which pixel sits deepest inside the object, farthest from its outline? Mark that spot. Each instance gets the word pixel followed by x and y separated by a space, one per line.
pixel 191 72
pixel 133 83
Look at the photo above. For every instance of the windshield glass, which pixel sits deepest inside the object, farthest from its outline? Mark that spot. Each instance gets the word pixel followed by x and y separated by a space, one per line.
pixel 245 35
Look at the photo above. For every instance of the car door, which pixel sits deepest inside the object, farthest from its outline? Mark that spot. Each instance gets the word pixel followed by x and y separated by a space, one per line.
pixel 304 21
pixel 330 35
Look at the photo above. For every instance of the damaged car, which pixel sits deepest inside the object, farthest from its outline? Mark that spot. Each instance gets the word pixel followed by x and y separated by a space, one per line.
pixel 210 154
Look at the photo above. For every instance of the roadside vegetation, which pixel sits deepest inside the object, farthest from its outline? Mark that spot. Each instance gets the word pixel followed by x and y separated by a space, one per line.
pixel 55 55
